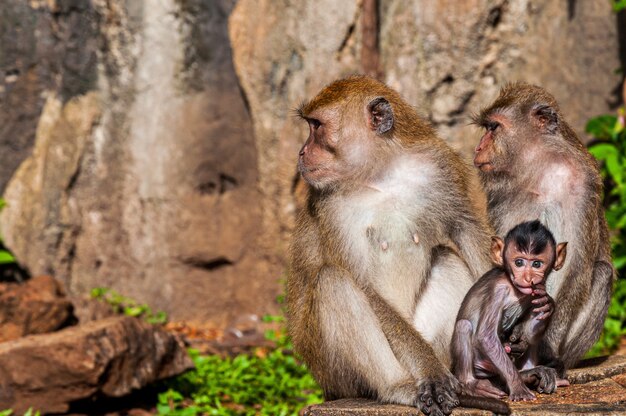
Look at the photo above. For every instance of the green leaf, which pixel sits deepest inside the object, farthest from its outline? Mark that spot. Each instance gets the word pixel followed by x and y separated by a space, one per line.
pixel 619 262
pixel 6 257
pixel 601 127
pixel 602 151
pixel 618 5
pixel 615 169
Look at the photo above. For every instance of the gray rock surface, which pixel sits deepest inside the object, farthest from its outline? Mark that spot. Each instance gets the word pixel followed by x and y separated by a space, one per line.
pixel 107 358
pixel 147 181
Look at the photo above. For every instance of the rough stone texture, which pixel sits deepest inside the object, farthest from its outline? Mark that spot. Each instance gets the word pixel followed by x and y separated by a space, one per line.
pixel 34 307
pixel 164 163
pixel 450 58
pixel 39 50
pixel 107 358
pixel 598 388
pixel 147 182
pixel 87 309
pixel 445 57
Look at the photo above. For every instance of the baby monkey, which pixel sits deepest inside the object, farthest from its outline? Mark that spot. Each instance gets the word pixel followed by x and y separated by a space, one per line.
pixel 508 301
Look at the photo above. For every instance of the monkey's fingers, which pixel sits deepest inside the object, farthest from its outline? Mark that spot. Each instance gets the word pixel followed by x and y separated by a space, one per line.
pixel 543 308
pixel 438 397
pixel 562 382
pixel 544 315
pixel 540 301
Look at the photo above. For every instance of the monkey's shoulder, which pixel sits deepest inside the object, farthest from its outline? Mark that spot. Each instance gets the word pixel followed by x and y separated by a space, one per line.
pixel 486 290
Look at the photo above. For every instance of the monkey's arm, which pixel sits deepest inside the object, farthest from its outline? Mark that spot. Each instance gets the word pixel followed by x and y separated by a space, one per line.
pixel 437 386
pixel 470 235
pixel 575 340
pixel 491 346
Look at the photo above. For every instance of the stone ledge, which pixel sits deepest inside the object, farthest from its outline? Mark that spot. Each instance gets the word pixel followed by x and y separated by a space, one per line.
pixel 598 388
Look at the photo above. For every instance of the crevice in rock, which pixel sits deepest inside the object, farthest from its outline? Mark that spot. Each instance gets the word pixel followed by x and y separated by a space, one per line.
pixel 370 49
pixel 346 38
pixel 223 184
pixel 571 9
pixel 210 265
pixel 495 16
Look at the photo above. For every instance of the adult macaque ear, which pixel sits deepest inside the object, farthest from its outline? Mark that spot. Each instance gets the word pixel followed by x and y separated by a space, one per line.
pixel 380 115
pixel 497 247
pixel 546 118
pixel 561 253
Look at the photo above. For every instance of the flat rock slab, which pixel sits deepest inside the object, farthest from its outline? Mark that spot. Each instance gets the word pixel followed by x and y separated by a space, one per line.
pixel 598 388
pixel 107 358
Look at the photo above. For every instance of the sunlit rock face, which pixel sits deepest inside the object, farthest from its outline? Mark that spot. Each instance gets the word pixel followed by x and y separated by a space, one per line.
pixel 150 147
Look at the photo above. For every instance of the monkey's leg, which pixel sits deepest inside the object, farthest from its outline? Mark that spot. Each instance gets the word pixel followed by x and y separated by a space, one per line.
pixel 589 323
pixel 464 360
pixel 358 356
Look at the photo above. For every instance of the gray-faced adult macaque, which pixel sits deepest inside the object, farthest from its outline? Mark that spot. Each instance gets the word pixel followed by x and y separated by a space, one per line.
pixel 374 288
pixel 533 166
pixel 512 294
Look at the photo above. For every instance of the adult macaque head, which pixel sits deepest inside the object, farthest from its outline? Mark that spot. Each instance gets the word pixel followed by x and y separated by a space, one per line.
pixel 353 140
pixel 528 254
pixel 522 115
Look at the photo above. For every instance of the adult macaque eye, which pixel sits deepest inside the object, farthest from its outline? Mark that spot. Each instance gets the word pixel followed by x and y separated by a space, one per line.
pixel 315 123
pixel 519 262
pixel 537 264
pixel 492 125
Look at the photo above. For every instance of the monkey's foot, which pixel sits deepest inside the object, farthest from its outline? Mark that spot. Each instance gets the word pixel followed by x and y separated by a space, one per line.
pixel 521 393
pixel 543 379
pixel 437 396
pixel 483 388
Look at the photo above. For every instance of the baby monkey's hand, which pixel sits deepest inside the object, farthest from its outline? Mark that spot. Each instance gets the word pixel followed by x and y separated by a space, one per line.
pixel 544 304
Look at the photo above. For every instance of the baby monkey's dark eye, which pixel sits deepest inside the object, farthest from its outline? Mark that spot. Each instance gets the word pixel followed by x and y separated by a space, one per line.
pixel 537 264
pixel 519 262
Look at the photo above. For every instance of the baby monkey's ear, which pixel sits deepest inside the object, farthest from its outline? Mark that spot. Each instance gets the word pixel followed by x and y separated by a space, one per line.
pixel 497 247
pixel 561 253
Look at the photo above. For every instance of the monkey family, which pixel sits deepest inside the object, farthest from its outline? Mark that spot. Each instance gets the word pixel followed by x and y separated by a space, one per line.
pixel 392 239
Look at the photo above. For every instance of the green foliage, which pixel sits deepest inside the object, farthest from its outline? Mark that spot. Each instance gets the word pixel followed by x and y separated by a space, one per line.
pixel 5 256
pixel 29 412
pixel 618 5
pixel 271 382
pixel 128 306
pixel 610 148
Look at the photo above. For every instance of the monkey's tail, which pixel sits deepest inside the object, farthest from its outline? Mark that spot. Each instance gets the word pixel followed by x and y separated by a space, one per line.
pixel 485 403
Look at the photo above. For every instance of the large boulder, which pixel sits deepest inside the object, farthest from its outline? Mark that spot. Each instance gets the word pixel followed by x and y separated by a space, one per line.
pixel 149 173
pixel 105 358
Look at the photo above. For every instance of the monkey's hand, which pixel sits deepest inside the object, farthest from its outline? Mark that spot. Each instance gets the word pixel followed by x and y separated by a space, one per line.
pixel 543 303
pixel 517 344
pixel 543 379
pixel 437 395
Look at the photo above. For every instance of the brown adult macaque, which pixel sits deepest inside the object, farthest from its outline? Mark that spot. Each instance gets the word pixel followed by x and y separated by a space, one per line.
pixel 512 294
pixel 533 166
pixel 387 246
